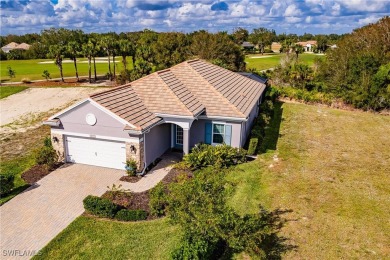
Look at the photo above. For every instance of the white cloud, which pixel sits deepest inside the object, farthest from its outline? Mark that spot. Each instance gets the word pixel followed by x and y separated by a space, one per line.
pixel 367 20
pixel 292 10
pixel 318 16
pixel 293 19
pixel 335 9
pixel 364 5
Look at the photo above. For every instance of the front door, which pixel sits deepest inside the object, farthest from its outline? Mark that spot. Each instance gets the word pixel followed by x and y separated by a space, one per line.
pixel 178 137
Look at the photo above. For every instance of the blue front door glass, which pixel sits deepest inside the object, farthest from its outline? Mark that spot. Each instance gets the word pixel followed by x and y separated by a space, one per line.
pixel 178 137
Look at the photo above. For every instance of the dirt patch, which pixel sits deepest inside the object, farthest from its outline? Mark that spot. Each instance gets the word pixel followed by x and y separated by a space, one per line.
pixel 174 174
pixel 132 179
pixel 13 145
pixel 27 108
pixel 37 172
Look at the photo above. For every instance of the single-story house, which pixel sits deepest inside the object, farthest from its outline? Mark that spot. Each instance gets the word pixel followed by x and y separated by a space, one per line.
pixel 247 46
pixel 276 46
pixel 308 45
pixel 190 103
pixel 15 46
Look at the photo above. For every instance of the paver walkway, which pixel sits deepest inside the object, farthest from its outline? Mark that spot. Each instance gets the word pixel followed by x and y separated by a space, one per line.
pixel 33 218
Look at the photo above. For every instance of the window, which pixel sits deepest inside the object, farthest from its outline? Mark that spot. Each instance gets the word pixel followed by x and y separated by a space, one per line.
pixel 218 133
pixel 179 135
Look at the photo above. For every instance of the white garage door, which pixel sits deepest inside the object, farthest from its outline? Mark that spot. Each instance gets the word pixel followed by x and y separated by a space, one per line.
pixel 104 153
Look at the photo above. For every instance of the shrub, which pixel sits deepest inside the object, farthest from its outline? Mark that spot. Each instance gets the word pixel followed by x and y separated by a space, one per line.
pixel 131 167
pixel 6 183
pixel 158 200
pixel 221 156
pixel 253 146
pixel 46 155
pixel 46 75
pixel 131 215
pixel 47 142
pixel 100 207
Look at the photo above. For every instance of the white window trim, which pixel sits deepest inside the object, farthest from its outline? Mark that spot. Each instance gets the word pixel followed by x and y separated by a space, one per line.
pixel 109 138
pixel 182 137
pixel 212 132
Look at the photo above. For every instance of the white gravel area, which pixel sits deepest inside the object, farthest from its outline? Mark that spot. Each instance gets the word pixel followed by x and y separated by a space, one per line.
pixel 34 101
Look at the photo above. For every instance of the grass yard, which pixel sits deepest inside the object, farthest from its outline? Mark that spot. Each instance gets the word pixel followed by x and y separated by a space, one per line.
pixel 17 156
pixel 33 69
pixel 270 61
pixel 90 238
pixel 331 168
pixel 8 91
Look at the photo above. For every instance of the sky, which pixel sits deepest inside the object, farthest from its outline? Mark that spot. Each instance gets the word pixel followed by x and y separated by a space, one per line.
pixel 284 16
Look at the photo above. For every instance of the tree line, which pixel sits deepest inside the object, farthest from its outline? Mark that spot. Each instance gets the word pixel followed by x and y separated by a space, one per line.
pixel 149 50
pixel 356 72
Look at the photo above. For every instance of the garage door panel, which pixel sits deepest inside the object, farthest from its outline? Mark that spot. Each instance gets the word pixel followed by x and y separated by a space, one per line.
pixel 105 153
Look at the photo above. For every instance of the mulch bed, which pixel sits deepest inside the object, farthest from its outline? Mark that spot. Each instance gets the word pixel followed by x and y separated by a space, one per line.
pixel 132 179
pixel 140 200
pixel 68 83
pixel 37 172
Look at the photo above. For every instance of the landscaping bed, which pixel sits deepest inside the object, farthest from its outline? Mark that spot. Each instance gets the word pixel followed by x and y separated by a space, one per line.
pixel 132 179
pixel 141 200
pixel 37 172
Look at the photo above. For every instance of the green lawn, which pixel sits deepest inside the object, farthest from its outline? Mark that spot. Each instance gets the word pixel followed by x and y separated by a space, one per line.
pixel 8 91
pixel 90 238
pixel 328 167
pixel 33 69
pixel 271 61
pixel 331 168
pixel 17 155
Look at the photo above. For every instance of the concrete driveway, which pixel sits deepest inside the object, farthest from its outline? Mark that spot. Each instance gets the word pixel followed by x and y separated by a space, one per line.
pixel 30 220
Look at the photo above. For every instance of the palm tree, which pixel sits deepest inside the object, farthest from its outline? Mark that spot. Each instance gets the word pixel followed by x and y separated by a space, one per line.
pixel 57 51
pixel 73 49
pixel 125 49
pixel 107 45
pixel 96 49
pixel 115 49
pixel 88 51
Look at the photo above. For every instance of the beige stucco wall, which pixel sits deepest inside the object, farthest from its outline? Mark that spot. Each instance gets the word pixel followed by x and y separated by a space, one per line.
pixel 58 145
pixel 137 154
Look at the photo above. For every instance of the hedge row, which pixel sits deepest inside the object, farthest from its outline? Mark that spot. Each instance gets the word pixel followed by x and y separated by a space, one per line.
pixel 262 121
pixel 220 156
pixel 105 208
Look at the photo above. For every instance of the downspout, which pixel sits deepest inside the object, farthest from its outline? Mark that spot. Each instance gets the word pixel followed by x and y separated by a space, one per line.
pixel 144 169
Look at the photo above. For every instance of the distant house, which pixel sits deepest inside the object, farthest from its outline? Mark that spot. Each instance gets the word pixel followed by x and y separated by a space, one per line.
pixel 247 46
pixel 15 46
pixel 276 46
pixel 190 103
pixel 308 46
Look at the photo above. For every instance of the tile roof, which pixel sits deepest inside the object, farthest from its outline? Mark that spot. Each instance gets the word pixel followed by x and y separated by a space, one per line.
pixel 187 89
pixel 242 92
pixel 125 103
pixel 10 45
pixel 253 76
pixel 182 92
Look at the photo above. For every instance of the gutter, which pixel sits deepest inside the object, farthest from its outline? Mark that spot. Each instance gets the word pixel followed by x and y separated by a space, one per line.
pixel 144 169
pixel 52 122
pixel 236 119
